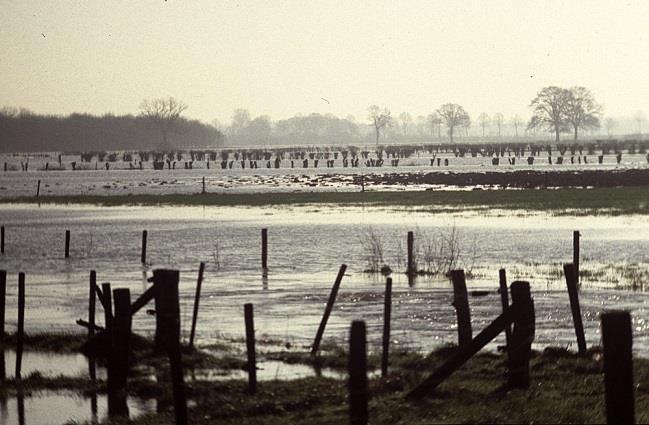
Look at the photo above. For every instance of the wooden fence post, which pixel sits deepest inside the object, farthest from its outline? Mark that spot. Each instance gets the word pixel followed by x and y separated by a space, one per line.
pixel 67 244
pixel 575 253
pixel 387 313
pixel 617 338
pixel 167 308
pixel 504 300
pixel 197 298
pixel 461 304
pixel 2 240
pixel 118 360
pixel 520 349
pixel 264 248
pixel 327 312
pixel 250 348
pixel 108 306
pixel 411 257
pixel 145 234
pixel 38 189
pixel 358 413
pixel 21 324
pixel 3 293
pixel 573 294
pixel 92 301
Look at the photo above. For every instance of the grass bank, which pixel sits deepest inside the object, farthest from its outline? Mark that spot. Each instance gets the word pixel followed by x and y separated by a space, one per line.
pixel 606 201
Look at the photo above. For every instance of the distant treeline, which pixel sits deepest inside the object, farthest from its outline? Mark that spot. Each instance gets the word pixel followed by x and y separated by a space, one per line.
pixel 23 131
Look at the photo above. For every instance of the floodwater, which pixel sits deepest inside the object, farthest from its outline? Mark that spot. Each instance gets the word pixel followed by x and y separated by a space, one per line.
pixel 307 245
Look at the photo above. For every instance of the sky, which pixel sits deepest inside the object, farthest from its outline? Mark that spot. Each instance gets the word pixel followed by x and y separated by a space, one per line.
pixel 281 58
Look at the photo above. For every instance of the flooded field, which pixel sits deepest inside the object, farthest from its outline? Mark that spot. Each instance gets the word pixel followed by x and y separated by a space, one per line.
pixel 307 245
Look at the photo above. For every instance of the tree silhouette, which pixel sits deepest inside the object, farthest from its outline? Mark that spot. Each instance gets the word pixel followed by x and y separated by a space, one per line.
pixel 379 118
pixel 453 115
pixel 163 113
pixel 581 110
pixel 550 110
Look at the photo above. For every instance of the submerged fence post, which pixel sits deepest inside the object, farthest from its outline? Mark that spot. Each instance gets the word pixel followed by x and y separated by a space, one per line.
pixel 617 338
pixel 119 353
pixel 250 348
pixel 67 244
pixel 573 294
pixel 92 301
pixel 575 253
pixel 387 313
pixel 197 298
pixel 504 300
pixel 358 414
pixel 20 333
pixel 411 257
pixel 520 349
pixel 461 304
pixel 264 248
pixel 327 312
pixel 145 234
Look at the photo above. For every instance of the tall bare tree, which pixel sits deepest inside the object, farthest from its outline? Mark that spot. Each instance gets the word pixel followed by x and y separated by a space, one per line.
pixel 483 119
pixel 582 111
pixel 516 121
pixel 549 110
pixel 379 118
pixel 499 120
pixel 453 115
pixel 163 113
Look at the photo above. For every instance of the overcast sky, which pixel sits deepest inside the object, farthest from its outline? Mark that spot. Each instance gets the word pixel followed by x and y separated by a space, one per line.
pixel 281 58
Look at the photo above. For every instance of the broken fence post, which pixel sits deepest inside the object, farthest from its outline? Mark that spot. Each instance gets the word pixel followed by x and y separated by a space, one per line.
pixel 358 394
pixel 617 339
pixel 461 304
pixel 250 348
pixel 118 360
pixel 197 298
pixel 328 308
pixel 504 300
pixel 387 313
pixel 522 335
pixel 573 294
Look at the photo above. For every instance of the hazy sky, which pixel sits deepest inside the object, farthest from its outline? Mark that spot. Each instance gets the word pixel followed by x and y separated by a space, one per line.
pixel 281 58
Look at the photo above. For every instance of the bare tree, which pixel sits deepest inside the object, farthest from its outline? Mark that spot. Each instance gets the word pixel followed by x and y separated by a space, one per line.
pixel 582 111
pixel 483 119
pixel 549 110
pixel 380 118
pixel 516 121
pixel 499 120
pixel 164 113
pixel 610 124
pixel 405 119
pixel 453 115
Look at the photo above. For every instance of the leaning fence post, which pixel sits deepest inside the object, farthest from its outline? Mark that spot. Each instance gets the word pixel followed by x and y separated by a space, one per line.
pixel 197 298
pixel 358 414
pixel 21 324
pixel 327 312
pixel 119 353
pixel 143 252
pixel 387 312
pixel 522 335
pixel 250 346
pixel 504 300
pixel 411 257
pixel 67 244
pixel 461 304
pixel 617 338
pixel 92 301
pixel 264 248
pixel 573 294
pixel 575 253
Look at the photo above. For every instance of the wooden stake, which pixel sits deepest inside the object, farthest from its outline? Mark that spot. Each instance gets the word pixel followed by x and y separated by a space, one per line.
pixel 504 300
pixel 38 189
pixel 327 312
pixel 21 324
pixel 411 259
pixel 575 254
pixel 118 361
pixel 520 349
pixel 358 394
pixel 250 345
pixel 617 338
pixel 573 294
pixel 387 312
pixel 461 304
pixel 108 306
pixel 67 244
pixel 143 252
pixel 264 248
pixel 197 298
pixel 92 299
pixel 2 240
pixel 3 294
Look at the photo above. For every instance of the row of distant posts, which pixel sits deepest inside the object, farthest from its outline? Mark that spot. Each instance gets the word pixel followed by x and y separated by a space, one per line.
pixel 616 332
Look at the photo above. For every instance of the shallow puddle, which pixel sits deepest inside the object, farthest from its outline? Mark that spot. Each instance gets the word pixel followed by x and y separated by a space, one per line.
pixel 51 365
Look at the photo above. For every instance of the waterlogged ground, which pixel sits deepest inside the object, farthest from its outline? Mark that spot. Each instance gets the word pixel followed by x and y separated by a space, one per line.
pixel 307 245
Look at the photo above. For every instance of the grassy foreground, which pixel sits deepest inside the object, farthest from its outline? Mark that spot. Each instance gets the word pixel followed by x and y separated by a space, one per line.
pixel 608 201
pixel 564 389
